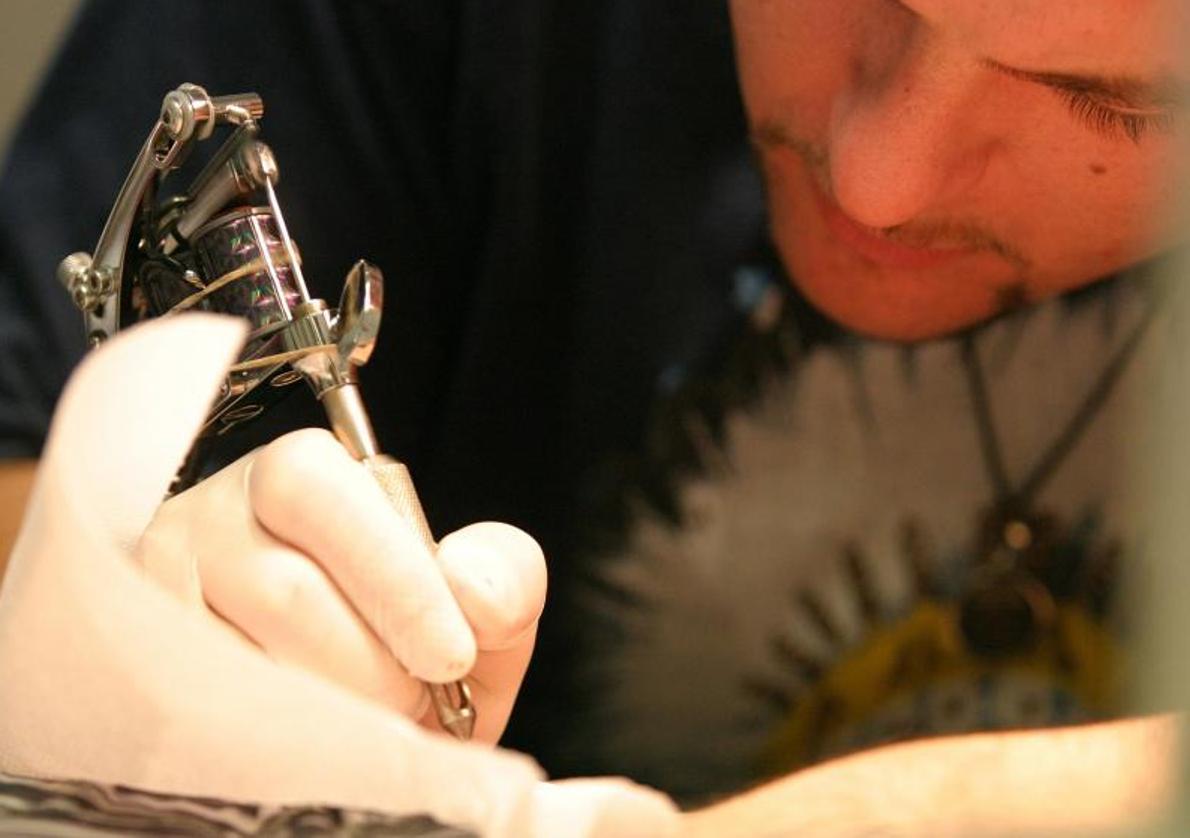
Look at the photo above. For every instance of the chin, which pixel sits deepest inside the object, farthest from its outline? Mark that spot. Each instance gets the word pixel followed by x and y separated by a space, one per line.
pixel 900 304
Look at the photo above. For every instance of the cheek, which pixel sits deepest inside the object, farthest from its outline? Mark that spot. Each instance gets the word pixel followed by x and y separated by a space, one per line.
pixel 1093 207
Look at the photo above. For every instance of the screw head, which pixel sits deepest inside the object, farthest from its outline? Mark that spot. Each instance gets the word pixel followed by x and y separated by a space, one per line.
pixel 173 115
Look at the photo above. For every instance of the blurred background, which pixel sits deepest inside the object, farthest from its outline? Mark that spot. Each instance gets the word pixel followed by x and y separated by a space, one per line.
pixel 29 33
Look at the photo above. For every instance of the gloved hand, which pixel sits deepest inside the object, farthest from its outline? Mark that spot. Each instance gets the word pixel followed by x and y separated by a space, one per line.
pixel 297 547
pixel 107 676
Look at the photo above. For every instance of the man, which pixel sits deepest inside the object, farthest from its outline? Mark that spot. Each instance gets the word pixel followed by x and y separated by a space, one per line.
pixel 928 166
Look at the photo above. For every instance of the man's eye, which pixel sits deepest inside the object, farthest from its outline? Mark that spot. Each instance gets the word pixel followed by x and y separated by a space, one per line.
pixel 1115 121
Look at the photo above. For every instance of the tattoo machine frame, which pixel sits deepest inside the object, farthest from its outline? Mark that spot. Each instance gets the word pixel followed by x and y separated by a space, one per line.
pixel 223 246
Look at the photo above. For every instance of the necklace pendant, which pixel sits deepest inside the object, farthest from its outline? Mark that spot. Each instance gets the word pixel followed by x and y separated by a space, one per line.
pixel 1006 609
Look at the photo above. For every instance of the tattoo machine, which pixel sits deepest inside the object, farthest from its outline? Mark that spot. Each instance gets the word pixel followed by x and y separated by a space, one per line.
pixel 223 246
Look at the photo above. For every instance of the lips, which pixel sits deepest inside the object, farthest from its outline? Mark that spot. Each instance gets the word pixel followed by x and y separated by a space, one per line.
pixel 875 248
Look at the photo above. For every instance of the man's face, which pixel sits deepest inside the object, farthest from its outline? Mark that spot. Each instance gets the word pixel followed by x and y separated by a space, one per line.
pixel 932 162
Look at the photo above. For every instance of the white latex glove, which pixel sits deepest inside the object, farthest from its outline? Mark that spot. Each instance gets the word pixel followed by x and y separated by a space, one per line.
pixel 106 676
pixel 298 548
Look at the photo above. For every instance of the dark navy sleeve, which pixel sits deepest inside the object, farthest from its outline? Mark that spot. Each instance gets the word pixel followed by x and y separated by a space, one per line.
pixel 356 94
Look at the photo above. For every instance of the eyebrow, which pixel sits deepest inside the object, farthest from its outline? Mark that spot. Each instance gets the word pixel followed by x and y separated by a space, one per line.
pixel 1128 92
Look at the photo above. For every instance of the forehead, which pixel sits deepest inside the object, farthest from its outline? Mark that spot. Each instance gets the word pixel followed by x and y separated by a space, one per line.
pixel 1103 36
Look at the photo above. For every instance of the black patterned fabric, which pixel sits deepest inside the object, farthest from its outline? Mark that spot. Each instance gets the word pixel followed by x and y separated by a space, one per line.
pixel 72 808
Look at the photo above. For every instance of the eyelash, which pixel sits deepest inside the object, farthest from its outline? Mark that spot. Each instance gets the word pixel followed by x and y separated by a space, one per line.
pixel 1113 122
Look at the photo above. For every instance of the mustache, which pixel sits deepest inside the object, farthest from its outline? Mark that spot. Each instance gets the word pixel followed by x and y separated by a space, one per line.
pixel 923 233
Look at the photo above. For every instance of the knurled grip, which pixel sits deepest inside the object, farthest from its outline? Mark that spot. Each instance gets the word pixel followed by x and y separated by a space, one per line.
pixel 452 702
pixel 395 480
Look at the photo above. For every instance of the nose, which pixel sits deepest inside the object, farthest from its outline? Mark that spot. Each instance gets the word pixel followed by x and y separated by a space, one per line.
pixel 902 140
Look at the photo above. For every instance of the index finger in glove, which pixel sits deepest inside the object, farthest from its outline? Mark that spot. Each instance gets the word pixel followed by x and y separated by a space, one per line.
pixel 307 491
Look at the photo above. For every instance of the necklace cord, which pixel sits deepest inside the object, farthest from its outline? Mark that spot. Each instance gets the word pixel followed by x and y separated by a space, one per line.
pixel 1061 446
pixel 988 440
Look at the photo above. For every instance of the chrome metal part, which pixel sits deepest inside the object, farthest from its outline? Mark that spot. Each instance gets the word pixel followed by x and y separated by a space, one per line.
pixel 453 706
pixel 349 421
pixel 238 108
pixel 244 172
pixel 186 113
pixel 360 309
pixel 352 329
pixel 285 239
pixel 190 112
pixel 88 287
pixel 313 325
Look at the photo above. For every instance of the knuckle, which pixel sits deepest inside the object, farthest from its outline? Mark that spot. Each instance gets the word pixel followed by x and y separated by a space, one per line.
pixel 171 516
pixel 290 588
pixel 169 531
pixel 158 538
pixel 285 470
pixel 307 442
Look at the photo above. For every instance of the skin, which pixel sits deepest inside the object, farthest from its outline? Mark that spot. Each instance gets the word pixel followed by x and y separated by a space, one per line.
pixel 1091 780
pixel 919 183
